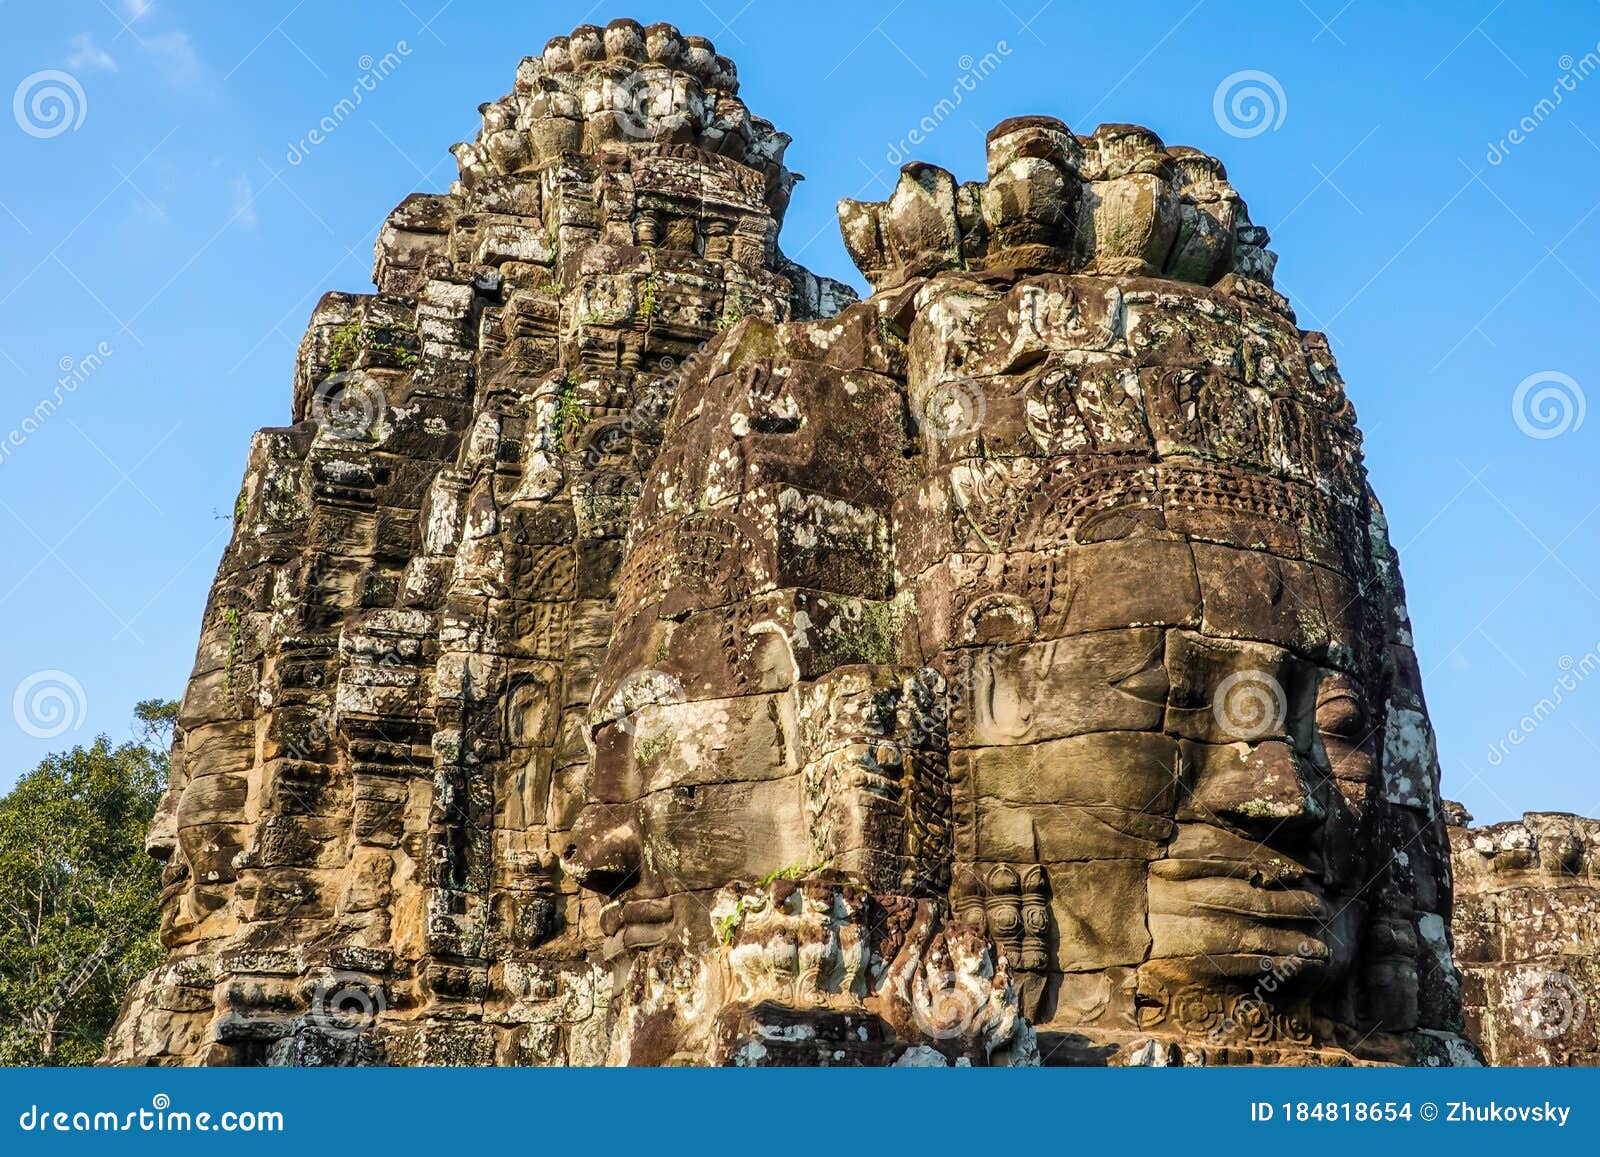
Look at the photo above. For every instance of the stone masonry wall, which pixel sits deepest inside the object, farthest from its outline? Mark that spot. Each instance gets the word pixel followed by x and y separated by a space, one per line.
pixel 1527 929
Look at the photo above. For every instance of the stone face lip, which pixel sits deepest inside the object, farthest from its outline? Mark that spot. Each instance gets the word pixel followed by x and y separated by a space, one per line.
pixel 639 651
pixel 1527 935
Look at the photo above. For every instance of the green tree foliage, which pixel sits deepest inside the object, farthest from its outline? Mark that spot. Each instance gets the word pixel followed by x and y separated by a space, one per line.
pixel 79 899
pixel 156 719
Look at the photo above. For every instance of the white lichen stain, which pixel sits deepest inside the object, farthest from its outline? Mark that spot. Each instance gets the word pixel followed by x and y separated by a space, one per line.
pixel 922 1057
pixel 1407 758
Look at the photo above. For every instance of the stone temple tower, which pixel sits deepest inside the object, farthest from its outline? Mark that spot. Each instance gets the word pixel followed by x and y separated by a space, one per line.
pixel 639 651
pixel 382 741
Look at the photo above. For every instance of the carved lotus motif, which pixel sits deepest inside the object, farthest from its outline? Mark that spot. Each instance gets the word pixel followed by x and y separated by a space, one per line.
pixel 1198 1011
pixel 1253 1020
pixel 1292 1028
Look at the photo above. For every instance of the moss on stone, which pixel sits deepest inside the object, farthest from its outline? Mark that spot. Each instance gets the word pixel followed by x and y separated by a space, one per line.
pixel 873 635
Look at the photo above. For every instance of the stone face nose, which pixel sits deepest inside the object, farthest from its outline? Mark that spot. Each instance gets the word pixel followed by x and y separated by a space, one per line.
pixel 162 839
pixel 605 852
pixel 1253 785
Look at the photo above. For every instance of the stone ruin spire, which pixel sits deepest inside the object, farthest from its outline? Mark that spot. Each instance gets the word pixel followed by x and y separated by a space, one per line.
pixel 637 650
pixel 381 746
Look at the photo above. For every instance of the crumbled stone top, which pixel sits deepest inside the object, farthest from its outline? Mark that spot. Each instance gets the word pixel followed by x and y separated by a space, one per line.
pixel 618 88
pixel 1118 202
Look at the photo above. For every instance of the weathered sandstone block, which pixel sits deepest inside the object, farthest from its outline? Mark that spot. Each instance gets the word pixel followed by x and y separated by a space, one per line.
pixel 1527 935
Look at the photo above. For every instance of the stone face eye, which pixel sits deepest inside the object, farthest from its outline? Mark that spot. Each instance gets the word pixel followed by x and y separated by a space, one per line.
pixel 1344 716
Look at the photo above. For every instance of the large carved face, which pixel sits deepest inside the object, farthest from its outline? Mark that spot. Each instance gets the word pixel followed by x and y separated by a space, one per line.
pixel 198 832
pixel 1166 612
pixel 1103 645
pixel 732 688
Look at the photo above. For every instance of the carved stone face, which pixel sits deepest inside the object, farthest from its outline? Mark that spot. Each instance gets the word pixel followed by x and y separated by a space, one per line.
pixel 1101 643
pixel 1020 641
pixel 198 833
pixel 721 726
pixel 1151 677
pixel 1165 577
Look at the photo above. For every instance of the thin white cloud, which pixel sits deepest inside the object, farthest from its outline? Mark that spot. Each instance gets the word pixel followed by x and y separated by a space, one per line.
pixel 176 53
pixel 87 56
pixel 244 202
pixel 136 8
pixel 148 212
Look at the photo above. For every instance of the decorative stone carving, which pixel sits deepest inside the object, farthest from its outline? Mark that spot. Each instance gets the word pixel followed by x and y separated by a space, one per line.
pixel 1123 519
pixel 1027 629
pixel 383 745
pixel 1527 934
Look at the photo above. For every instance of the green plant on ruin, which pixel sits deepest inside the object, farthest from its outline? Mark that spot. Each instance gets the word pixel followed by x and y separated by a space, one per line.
pixel 792 872
pixel 733 314
pixel 873 636
pixel 649 306
pixel 240 503
pixel 727 925
pixel 890 333
pixel 388 342
pixel 570 416
pixel 396 351
pixel 647 751
pixel 344 345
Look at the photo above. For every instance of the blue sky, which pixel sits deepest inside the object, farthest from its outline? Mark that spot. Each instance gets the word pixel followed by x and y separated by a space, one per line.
pixel 159 250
